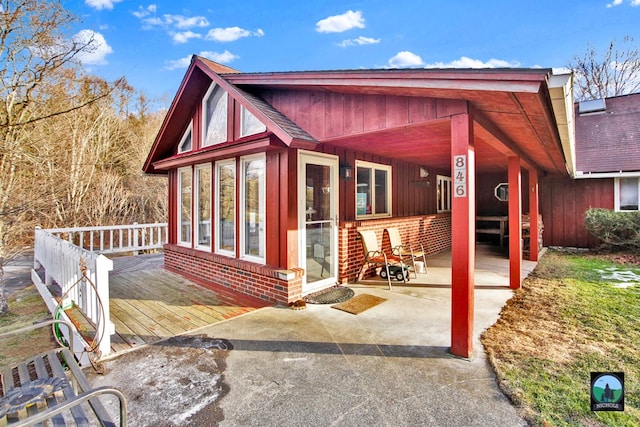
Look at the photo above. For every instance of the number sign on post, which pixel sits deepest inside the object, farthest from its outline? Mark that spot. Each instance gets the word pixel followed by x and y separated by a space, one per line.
pixel 460 176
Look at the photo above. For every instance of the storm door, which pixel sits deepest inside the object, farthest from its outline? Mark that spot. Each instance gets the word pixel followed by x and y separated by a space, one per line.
pixel 318 219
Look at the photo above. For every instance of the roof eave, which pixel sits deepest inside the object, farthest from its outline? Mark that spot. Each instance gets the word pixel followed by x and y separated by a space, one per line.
pixel 561 92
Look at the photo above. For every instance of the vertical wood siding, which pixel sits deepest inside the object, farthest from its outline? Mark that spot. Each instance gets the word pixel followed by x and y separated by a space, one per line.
pixel 564 203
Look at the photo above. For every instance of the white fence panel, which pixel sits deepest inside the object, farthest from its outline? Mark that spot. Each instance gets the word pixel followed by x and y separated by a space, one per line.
pixel 63 263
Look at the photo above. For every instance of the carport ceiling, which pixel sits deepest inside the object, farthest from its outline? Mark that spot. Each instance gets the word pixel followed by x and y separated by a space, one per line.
pixel 512 109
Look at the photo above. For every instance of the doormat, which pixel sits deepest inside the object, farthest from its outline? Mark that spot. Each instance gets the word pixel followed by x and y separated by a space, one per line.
pixel 360 303
pixel 330 296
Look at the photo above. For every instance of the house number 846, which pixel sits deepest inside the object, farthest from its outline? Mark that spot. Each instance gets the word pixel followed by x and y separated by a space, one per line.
pixel 460 176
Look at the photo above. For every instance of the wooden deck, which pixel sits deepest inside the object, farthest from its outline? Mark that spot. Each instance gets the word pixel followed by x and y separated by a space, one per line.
pixel 149 303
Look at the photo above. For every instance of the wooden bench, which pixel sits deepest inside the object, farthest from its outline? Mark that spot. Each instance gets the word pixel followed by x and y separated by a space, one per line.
pixel 51 386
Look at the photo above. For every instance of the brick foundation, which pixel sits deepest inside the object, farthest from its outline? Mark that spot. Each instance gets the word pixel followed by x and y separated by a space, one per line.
pixel 275 285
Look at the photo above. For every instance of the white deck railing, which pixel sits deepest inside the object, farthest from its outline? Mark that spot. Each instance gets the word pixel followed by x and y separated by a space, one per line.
pixel 112 239
pixel 63 253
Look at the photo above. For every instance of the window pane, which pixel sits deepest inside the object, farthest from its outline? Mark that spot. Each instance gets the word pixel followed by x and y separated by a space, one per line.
pixel 629 194
pixel 215 117
pixel 250 125
pixel 381 206
pixel 363 191
pixel 185 206
pixel 185 145
pixel 204 206
pixel 253 172
pixel 226 207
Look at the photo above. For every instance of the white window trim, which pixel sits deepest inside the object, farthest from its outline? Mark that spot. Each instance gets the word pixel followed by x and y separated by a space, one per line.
pixel 179 202
pixel 217 230
pixel 446 203
pixel 373 167
pixel 261 207
pixel 616 194
pixel 210 91
pixel 196 203
pixel 187 132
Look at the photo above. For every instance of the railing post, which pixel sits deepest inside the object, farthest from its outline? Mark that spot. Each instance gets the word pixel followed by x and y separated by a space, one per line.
pixel 135 237
pixel 103 266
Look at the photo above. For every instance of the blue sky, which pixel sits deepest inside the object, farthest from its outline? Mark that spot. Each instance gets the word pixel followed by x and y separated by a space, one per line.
pixel 150 43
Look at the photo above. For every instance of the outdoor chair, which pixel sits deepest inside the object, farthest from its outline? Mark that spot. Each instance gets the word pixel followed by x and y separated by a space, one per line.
pixel 406 253
pixel 374 256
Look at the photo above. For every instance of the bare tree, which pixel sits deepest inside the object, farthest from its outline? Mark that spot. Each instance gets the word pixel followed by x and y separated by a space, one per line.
pixel 34 52
pixel 614 72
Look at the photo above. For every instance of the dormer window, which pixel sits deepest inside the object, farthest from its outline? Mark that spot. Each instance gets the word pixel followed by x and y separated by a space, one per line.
pixel 186 143
pixel 214 116
pixel 249 124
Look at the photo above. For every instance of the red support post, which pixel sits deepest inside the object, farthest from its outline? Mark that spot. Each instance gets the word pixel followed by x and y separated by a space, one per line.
pixel 463 227
pixel 515 222
pixel 534 206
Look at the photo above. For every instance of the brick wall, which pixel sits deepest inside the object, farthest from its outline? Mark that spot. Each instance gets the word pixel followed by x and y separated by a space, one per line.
pixel 256 280
pixel 264 282
pixel 432 231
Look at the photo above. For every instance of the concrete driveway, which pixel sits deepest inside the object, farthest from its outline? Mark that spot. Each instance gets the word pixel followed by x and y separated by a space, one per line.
pixel 387 366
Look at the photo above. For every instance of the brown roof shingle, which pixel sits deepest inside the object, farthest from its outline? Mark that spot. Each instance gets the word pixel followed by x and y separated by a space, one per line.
pixel 609 141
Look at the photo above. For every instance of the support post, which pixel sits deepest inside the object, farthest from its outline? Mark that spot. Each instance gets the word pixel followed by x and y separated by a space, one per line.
pixel 103 266
pixel 463 235
pixel 515 222
pixel 534 206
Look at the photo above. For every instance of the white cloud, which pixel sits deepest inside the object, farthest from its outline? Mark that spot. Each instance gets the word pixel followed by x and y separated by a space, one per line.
pixel 101 4
pixel 405 59
pixel 99 48
pixel 184 37
pixel 358 42
pixel 465 62
pixel 615 3
pixel 179 22
pixel 222 58
pixel 231 34
pixel 144 12
pixel 340 23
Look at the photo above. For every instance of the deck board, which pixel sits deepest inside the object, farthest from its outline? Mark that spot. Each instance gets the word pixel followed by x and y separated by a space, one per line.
pixel 149 303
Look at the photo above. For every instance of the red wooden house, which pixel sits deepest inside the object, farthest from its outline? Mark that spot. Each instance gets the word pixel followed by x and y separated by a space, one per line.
pixel 607 170
pixel 272 175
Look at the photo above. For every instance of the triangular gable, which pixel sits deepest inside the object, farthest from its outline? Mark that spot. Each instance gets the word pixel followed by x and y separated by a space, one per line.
pixel 194 85
pixel 275 121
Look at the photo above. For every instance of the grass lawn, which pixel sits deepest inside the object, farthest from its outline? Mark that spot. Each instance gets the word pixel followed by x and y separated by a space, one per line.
pixel 25 308
pixel 574 315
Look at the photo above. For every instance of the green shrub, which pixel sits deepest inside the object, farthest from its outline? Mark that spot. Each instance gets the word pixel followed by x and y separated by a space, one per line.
pixel 615 230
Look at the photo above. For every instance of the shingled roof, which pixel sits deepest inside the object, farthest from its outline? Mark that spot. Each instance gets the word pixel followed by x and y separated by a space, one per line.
pixel 608 141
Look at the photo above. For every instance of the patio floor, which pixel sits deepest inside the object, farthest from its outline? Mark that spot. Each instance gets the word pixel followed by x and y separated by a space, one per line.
pixel 149 303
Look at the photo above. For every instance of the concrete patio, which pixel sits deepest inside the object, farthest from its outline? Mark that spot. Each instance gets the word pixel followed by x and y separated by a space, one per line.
pixel 389 365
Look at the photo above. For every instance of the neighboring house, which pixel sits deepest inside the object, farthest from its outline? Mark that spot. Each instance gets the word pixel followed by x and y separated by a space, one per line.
pixel 272 175
pixel 607 170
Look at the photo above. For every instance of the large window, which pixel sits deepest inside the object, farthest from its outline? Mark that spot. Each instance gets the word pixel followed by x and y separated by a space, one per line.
pixel 226 207
pixel 203 206
pixel 214 116
pixel 443 188
pixel 252 209
pixel 373 190
pixel 184 206
pixel 627 194
pixel 249 124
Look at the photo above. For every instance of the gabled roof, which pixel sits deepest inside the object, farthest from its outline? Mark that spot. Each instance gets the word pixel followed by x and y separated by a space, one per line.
pixel 608 141
pixel 517 111
pixel 194 85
